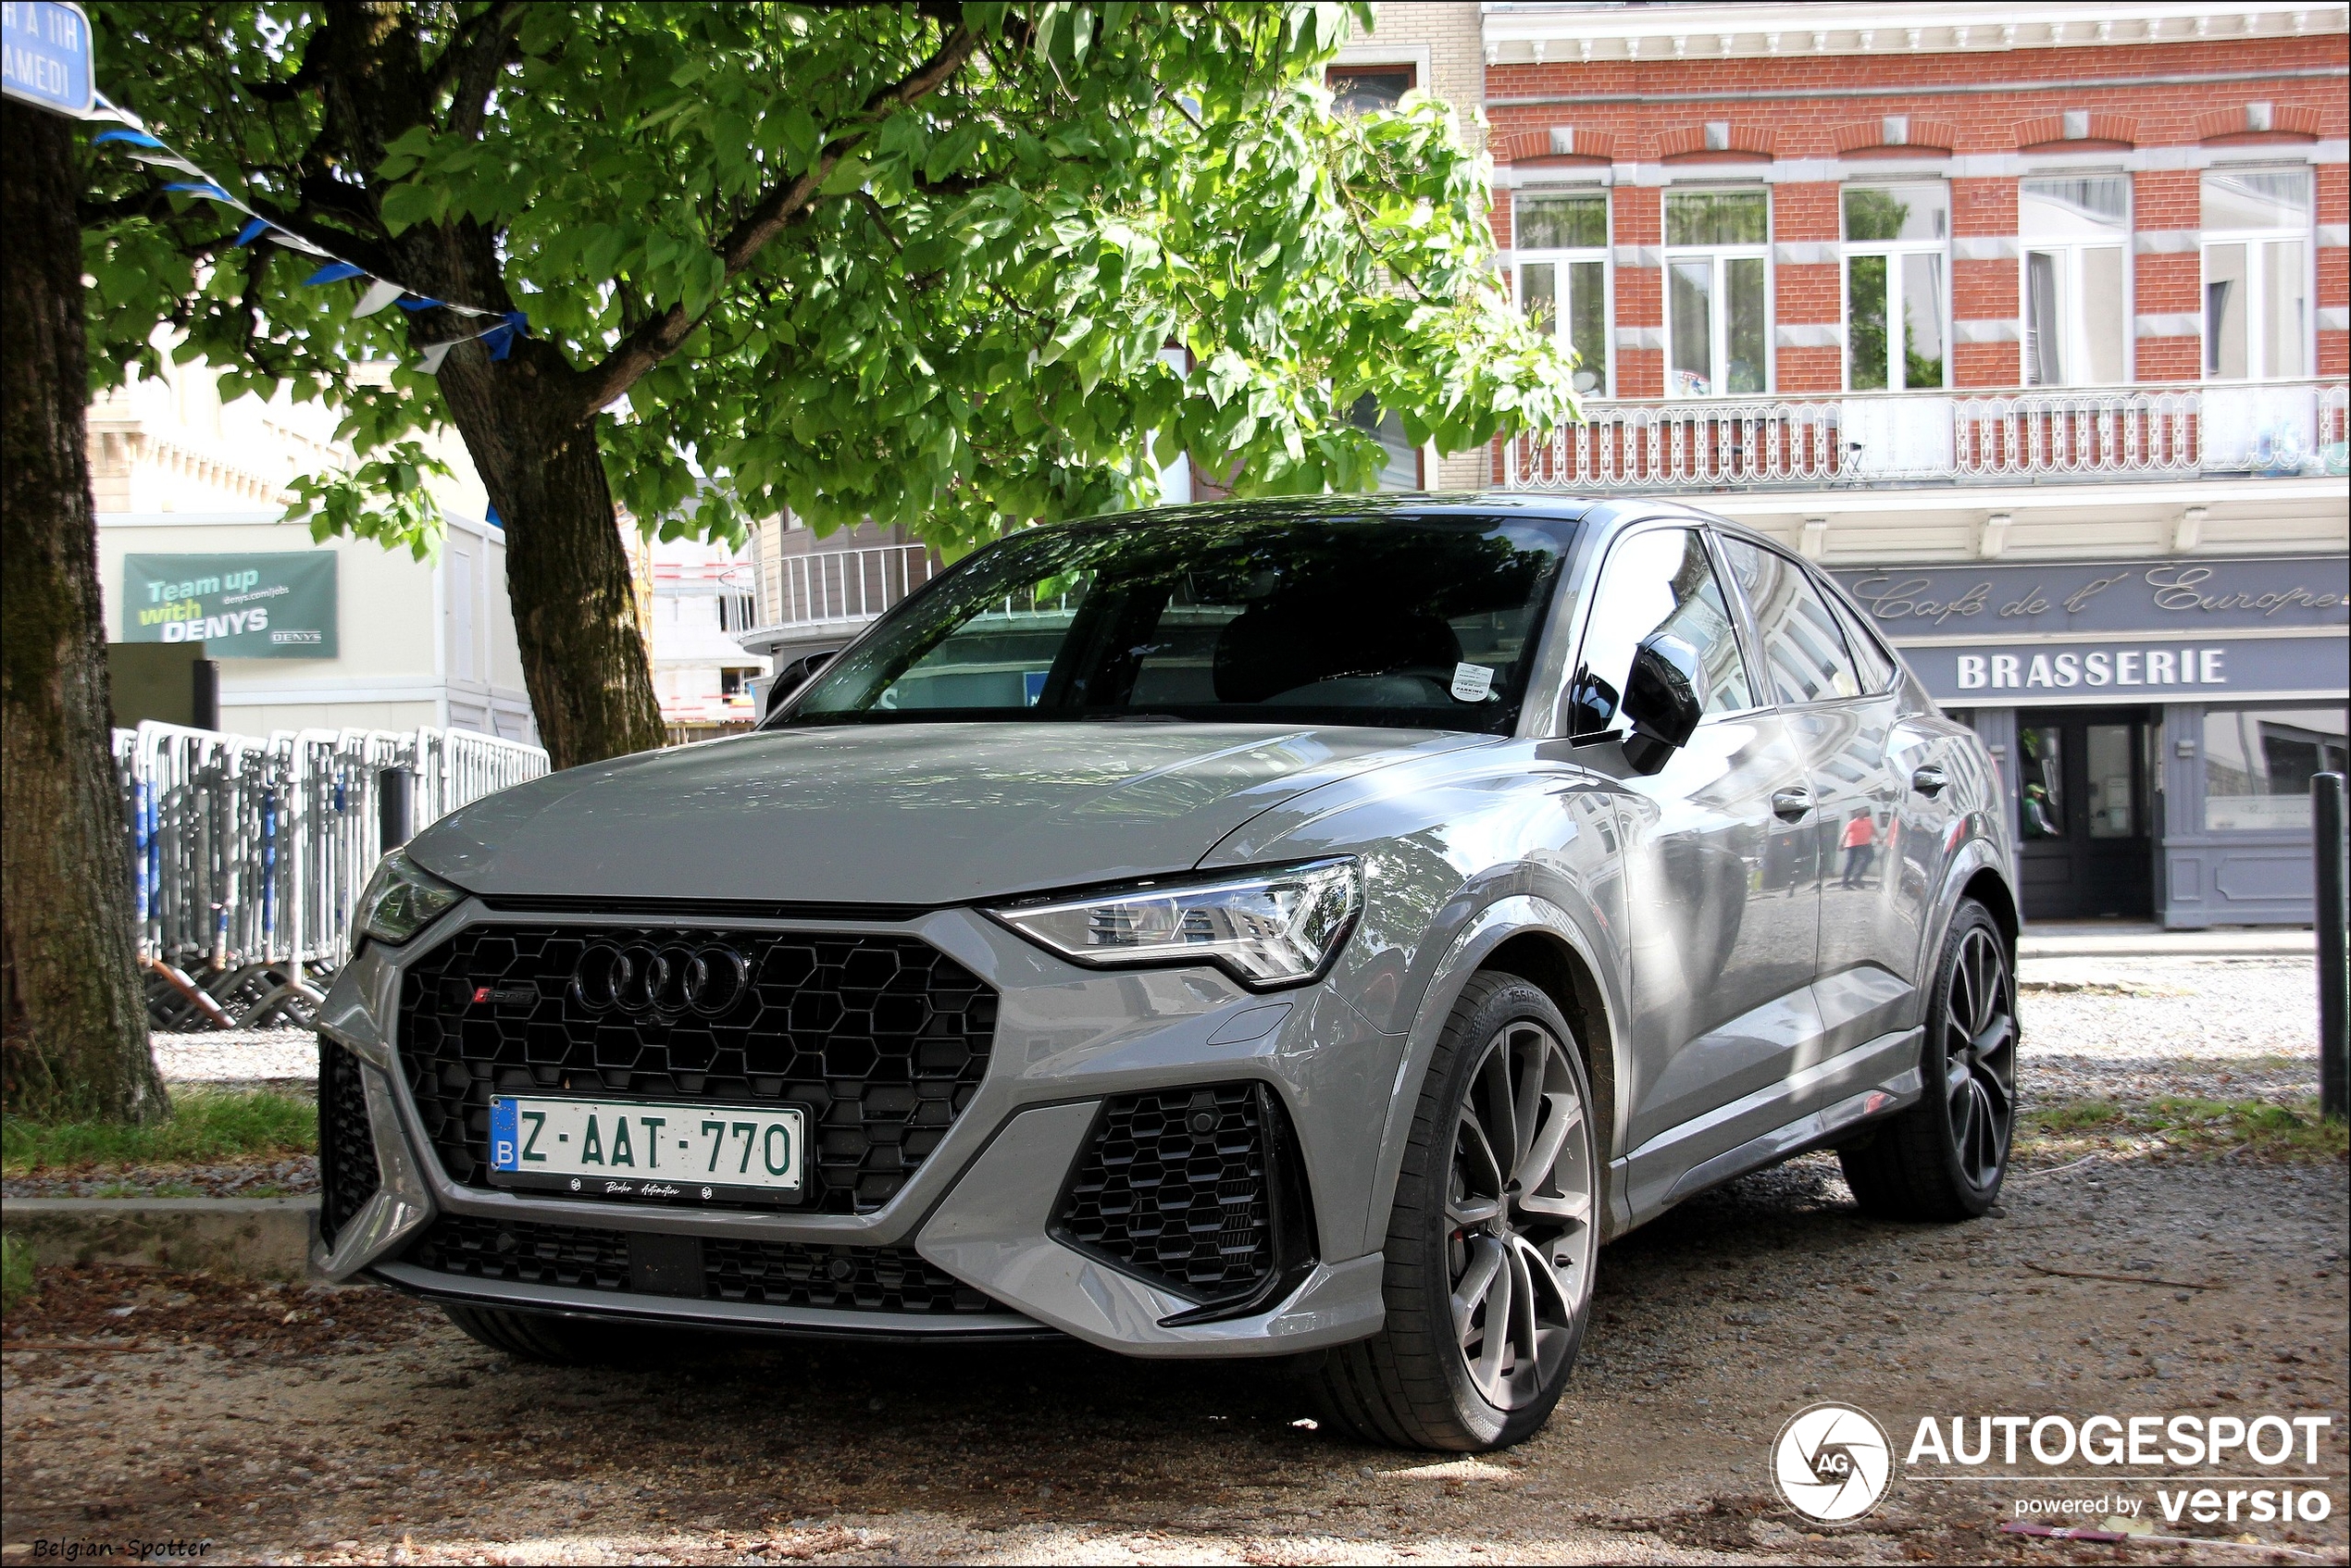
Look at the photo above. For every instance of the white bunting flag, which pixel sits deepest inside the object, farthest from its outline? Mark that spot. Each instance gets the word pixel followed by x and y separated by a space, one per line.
pixel 379 294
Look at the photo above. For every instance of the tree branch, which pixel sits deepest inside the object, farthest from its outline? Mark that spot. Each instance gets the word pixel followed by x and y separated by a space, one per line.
pixel 468 69
pixel 658 338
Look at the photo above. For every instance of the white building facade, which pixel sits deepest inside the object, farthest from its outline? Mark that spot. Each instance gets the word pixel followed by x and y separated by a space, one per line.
pixel 190 492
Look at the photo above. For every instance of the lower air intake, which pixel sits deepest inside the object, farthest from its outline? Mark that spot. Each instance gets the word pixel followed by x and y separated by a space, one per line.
pixel 1195 1189
pixel 347 1172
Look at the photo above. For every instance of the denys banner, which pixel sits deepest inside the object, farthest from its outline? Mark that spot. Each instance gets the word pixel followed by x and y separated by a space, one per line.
pixel 279 605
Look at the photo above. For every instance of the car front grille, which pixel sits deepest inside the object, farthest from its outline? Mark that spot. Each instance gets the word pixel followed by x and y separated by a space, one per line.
pixel 347 1172
pixel 877 1279
pixel 884 1038
pixel 1191 1189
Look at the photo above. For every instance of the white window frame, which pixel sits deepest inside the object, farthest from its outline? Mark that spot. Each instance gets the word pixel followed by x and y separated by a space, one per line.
pixel 2071 250
pixel 1893 251
pixel 1718 327
pixel 1560 258
pixel 2256 281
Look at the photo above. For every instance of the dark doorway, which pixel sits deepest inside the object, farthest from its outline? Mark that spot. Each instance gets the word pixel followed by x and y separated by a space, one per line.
pixel 2084 814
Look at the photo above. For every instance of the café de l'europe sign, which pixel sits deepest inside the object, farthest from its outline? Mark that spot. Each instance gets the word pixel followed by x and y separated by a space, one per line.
pixel 2117 631
pixel 2027 602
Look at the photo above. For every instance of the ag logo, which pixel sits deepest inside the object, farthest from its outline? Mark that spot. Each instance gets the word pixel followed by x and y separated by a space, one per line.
pixel 1833 1462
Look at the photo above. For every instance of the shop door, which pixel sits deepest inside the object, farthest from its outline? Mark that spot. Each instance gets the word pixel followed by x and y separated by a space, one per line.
pixel 2083 814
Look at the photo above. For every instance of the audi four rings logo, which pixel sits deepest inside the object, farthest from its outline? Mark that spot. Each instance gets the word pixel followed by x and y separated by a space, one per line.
pixel 662 982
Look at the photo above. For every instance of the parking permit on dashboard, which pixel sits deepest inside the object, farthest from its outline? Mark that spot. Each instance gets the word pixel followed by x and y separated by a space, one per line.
pixel 1471 682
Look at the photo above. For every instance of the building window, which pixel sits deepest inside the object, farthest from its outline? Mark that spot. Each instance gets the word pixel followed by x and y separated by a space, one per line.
pixel 2077 279
pixel 736 611
pixel 1896 272
pixel 1716 312
pixel 2258 763
pixel 2256 274
pixel 1560 250
pixel 1402 467
pixel 1357 90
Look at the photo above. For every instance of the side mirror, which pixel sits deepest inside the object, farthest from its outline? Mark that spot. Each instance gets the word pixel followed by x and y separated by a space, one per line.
pixel 1661 700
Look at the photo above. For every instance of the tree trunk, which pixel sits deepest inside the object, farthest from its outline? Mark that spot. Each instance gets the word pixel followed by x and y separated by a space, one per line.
pixel 583 653
pixel 72 1005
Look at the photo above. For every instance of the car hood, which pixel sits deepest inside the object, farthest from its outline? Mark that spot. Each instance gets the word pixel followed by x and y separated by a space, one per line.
pixel 914 814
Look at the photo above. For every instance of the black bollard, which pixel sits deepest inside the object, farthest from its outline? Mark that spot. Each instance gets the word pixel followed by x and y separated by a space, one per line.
pixel 396 806
pixel 2327 847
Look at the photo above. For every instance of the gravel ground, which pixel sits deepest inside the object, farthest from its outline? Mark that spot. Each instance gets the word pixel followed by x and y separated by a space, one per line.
pixel 2130 1029
pixel 353 1424
pixel 238 1056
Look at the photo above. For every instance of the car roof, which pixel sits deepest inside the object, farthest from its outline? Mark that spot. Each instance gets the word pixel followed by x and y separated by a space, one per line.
pixel 1546 508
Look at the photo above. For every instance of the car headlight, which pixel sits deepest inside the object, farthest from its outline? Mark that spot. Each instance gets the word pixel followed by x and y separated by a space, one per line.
pixel 401 899
pixel 1266 929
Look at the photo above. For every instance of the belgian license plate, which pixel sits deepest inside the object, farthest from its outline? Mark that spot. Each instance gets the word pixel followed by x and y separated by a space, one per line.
pixel 661 1153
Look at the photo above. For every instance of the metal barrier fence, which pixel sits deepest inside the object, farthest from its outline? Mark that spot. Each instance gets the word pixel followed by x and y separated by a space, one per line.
pixel 248 853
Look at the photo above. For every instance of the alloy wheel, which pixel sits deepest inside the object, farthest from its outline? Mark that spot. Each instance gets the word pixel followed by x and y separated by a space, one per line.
pixel 1519 1215
pixel 1979 1075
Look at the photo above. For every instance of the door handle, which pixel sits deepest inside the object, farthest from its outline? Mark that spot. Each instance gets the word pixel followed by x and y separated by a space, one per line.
pixel 1789 805
pixel 1929 781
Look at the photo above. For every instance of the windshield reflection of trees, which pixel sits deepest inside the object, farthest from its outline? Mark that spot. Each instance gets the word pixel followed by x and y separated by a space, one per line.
pixel 1327 619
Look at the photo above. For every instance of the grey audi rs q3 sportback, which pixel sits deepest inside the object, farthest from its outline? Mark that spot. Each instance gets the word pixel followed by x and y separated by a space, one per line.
pixel 1303 929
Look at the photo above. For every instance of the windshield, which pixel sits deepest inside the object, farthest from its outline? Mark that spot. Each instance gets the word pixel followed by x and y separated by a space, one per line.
pixel 1382 620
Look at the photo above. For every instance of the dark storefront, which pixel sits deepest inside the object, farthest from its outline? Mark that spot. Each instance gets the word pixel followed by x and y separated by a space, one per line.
pixel 2157 722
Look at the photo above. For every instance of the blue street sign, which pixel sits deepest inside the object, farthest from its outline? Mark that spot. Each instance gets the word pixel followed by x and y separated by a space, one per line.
pixel 46 55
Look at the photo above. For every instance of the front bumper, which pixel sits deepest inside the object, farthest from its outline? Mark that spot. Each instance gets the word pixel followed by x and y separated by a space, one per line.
pixel 984 1207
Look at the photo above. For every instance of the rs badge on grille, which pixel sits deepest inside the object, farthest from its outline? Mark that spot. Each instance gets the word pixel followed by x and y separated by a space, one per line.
pixel 521 995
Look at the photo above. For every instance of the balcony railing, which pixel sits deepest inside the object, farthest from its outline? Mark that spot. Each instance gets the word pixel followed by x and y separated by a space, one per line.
pixel 2037 435
pixel 831 591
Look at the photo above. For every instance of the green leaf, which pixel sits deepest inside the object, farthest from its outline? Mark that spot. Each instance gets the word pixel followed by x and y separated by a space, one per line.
pixel 847 176
pixel 404 207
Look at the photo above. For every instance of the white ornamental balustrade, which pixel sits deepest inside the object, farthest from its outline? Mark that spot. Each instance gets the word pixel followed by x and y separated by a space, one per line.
pixel 828 588
pixel 2024 436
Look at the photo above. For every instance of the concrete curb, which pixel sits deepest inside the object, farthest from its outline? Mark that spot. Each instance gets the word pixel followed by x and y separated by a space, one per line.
pixel 2066 940
pixel 241 1238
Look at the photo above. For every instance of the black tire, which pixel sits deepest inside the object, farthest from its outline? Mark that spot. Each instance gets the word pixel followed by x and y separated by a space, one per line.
pixel 1945 1158
pixel 543 1338
pixel 1417 1384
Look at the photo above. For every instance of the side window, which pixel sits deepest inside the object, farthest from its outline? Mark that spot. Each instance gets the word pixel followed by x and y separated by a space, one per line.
pixel 1656 581
pixel 1868 656
pixel 1802 644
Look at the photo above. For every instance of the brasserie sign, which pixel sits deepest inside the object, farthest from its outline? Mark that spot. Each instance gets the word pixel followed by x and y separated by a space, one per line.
pixel 2026 601
pixel 274 605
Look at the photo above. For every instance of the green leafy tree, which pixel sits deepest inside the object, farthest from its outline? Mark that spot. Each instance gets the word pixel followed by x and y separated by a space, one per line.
pixel 916 263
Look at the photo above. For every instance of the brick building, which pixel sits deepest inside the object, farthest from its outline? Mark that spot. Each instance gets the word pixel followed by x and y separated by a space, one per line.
pixel 2027 323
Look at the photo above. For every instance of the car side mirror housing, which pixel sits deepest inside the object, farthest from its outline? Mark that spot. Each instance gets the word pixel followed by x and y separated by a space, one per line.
pixel 1661 700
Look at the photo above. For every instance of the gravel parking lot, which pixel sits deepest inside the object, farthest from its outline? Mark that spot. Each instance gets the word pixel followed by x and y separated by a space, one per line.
pixel 334 1425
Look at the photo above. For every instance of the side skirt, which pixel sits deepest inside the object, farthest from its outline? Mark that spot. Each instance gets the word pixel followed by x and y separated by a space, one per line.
pixel 1873 1080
